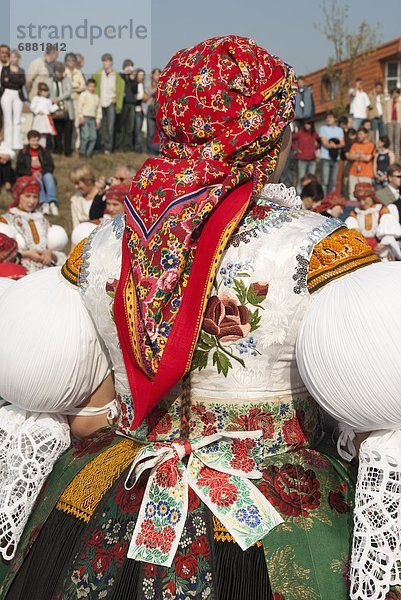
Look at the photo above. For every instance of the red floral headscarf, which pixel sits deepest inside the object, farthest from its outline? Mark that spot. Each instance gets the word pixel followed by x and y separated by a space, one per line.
pixel 116 192
pixel 332 199
pixel 8 248
pixel 24 185
pixel 222 107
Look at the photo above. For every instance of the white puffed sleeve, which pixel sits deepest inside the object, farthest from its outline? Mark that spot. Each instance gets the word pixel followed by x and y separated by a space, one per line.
pixel 51 357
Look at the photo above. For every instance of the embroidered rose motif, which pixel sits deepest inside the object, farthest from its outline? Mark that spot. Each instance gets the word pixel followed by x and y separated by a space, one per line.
pixel 101 562
pixel 169 280
pixel 221 491
pixel 158 422
pixel 257 419
pixel 225 495
pixel 119 551
pixel 337 501
pixel 151 327
pixel 293 490
pixel 167 474
pixel 186 566
pixel 200 547
pixel 241 459
pixel 226 319
pixel 259 212
pixel 129 501
pixel 292 432
pixel 96 539
pixel 211 478
pixel 193 500
pixel 257 292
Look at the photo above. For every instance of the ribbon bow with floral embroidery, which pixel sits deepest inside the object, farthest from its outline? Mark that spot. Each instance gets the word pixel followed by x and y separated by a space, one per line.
pixel 219 470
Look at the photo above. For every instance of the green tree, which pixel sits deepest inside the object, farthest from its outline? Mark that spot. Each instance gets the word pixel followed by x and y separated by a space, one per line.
pixel 350 49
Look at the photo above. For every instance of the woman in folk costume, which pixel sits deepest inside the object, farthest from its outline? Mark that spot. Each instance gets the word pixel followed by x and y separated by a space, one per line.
pixel 358 383
pixel 379 224
pixel 39 243
pixel 218 484
pixel 9 259
pixel 57 375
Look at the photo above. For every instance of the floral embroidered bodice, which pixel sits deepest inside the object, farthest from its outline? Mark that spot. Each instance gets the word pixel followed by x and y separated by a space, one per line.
pixel 31 228
pixel 244 366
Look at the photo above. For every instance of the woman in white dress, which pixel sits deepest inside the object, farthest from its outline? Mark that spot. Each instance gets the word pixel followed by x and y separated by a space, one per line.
pixel 376 222
pixel 40 244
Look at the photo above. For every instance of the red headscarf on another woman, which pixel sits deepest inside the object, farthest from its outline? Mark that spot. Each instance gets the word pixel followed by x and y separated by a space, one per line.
pixel 116 192
pixel 332 199
pixel 24 185
pixel 222 106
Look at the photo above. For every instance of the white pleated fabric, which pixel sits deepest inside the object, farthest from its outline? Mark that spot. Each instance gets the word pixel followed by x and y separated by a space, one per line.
pixel 349 357
pixel 81 231
pixel 349 348
pixel 5 284
pixel 51 357
pixel 51 360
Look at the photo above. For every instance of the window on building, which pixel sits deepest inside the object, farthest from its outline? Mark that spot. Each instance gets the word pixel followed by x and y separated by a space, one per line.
pixel 393 75
pixel 329 87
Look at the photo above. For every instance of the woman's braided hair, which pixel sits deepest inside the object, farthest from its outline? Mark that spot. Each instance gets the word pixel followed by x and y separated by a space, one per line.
pixel 185 405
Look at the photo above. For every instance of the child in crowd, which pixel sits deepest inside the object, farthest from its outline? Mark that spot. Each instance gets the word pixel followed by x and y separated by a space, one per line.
pixel 383 158
pixel 308 178
pixel 36 161
pixel 42 107
pixel 312 193
pixel 89 116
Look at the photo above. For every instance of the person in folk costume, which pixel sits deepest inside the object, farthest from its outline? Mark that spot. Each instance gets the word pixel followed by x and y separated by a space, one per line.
pixel 378 223
pixel 39 243
pixel 359 388
pixel 218 483
pixel 10 266
pixel 331 206
pixel 45 390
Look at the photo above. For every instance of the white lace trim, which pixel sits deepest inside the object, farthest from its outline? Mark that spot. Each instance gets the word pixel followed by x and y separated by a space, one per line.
pixel 281 194
pixel 29 446
pixel 376 552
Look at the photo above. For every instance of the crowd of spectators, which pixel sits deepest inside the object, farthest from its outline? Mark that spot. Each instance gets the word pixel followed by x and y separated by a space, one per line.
pixel 348 167
pixel 103 113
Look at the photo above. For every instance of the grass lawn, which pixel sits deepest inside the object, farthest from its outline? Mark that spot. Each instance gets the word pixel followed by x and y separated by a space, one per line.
pixel 101 164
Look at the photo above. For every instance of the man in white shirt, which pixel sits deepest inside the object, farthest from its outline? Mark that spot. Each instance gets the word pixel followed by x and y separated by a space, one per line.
pixel 359 102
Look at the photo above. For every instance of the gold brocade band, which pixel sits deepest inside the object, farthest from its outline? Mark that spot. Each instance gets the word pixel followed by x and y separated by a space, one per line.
pixel 339 254
pixel 71 267
pixel 87 489
pixel 220 533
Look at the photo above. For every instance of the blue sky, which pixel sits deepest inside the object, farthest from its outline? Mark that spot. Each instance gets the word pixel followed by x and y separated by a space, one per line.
pixel 285 28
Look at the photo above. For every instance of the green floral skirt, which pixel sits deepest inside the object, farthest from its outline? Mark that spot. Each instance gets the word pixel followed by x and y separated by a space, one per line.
pixel 76 541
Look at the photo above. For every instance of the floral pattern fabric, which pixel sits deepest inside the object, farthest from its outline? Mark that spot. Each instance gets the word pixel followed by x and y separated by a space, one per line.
pixel 222 108
pixel 306 556
pixel 219 471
